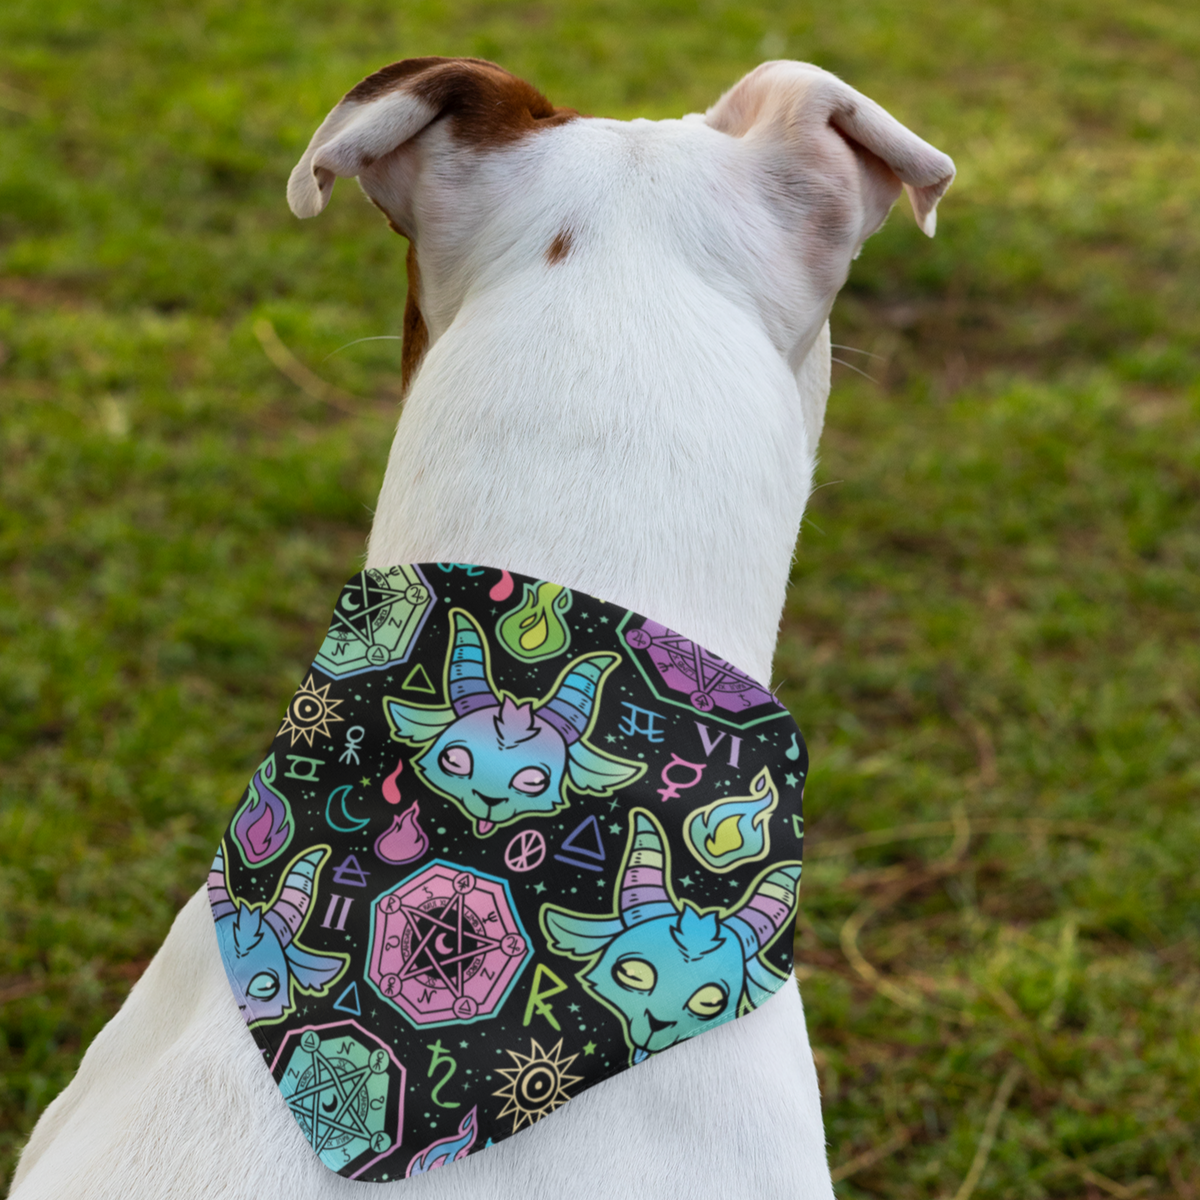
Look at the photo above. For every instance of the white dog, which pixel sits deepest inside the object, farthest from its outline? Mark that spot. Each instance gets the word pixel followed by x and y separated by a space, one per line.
pixel 618 356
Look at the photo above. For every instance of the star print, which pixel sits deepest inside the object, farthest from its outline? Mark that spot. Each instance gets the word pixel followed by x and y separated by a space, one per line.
pixel 365 781
pixel 614 829
pixel 572 1008
pixel 539 888
pixel 608 737
pixel 686 880
pixel 790 779
pixel 603 620
pixel 613 804
pixel 463 1045
pixel 762 737
pixel 590 1048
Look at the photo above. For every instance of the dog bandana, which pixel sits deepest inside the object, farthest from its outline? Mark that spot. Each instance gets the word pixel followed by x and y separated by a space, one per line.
pixel 509 840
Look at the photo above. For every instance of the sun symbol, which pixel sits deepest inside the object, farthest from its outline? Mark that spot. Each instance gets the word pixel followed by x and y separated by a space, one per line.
pixel 536 1085
pixel 310 712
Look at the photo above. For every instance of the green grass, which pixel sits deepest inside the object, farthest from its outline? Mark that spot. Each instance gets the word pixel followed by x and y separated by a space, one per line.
pixel 992 637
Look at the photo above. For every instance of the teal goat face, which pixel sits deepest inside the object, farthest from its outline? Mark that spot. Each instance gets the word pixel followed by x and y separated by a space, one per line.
pixel 667 969
pixel 499 763
pixel 499 758
pixel 262 958
pixel 671 977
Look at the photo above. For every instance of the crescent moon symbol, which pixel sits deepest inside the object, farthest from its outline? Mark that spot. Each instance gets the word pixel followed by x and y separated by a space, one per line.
pixel 437 944
pixel 353 824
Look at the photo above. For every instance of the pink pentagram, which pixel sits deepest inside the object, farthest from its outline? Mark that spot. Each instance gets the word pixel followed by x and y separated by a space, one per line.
pixel 685 666
pixel 525 851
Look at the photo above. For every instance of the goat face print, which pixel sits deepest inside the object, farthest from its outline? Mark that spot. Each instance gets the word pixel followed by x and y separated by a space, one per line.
pixel 263 959
pixel 666 968
pixel 501 758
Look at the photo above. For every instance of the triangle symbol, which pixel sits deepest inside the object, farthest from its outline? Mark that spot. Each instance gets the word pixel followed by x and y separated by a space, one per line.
pixel 590 831
pixel 417 680
pixel 347 1002
pixel 349 873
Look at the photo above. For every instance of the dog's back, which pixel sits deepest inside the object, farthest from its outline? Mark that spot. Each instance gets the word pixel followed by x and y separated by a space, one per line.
pixel 619 363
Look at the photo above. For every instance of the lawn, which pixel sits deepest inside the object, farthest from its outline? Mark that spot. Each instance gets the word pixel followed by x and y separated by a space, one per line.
pixel 991 641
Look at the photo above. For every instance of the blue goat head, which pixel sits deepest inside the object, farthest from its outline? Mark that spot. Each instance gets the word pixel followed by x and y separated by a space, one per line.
pixel 264 961
pixel 668 969
pixel 500 758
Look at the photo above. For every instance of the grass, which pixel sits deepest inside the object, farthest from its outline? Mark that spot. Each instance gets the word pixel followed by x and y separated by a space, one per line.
pixel 992 636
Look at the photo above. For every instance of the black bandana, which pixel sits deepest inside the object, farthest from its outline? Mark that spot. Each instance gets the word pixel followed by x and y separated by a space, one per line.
pixel 509 840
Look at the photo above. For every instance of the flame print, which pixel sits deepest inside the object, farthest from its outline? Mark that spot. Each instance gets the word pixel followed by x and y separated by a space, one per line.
pixel 404 840
pixel 263 827
pixel 727 833
pixel 445 1150
pixel 535 629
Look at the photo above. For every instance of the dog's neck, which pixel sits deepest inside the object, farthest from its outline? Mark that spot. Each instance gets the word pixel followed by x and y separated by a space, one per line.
pixel 665 475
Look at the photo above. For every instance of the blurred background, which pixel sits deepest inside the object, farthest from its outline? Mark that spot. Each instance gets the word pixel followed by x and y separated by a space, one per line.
pixel 991 641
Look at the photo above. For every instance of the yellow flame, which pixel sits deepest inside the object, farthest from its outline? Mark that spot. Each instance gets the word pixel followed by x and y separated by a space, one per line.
pixel 531 639
pixel 726 838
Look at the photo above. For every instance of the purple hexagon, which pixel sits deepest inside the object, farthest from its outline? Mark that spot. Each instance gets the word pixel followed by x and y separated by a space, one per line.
pixel 446 945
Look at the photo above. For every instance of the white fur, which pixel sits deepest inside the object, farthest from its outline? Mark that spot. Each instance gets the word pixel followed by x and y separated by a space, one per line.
pixel 638 420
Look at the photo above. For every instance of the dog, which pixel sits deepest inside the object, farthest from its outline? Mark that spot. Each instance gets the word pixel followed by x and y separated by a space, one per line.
pixel 616 363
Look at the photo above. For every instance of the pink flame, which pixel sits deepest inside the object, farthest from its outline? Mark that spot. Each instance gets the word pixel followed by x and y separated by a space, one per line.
pixel 405 840
pixel 391 793
pixel 503 589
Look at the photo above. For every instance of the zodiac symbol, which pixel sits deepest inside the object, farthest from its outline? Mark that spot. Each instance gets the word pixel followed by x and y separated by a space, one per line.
pixel 352 823
pixel 442 1058
pixel 673 788
pixel 310 766
pixel 647 728
pixel 331 913
pixel 525 851
pixel 354 737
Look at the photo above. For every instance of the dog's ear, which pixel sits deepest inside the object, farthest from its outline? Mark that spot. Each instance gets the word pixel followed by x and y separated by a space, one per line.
pixel 485 105
pixel 809 125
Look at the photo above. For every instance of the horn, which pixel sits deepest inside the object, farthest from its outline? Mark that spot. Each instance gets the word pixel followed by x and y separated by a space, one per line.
pixel 570 706
pixel 218 887
pixel 467 672
pixel 286 915
pixel 766 911
pixel 643 894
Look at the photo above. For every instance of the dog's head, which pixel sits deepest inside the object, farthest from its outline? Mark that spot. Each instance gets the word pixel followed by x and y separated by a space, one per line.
pixel 764 200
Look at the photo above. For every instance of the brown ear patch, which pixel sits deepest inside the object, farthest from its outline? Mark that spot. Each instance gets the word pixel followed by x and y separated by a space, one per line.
pixel 560 247
pixel 487 106
pixel 416 332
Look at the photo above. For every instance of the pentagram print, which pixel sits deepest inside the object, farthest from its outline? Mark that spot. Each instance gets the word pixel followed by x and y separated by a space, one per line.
pixel 443 944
